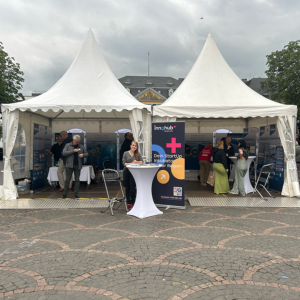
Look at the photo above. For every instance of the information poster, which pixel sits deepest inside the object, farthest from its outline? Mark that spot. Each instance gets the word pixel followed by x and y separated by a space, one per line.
pixel 276 156
pixel 235 139
pixel 40 160
pixel 251 137
pixel 168 149
pixel 194 143
pixel 102 147
pixel 48 157
pixel 263 148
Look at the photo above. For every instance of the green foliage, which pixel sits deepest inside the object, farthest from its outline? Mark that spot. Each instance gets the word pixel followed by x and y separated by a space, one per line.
pixel 11 78
pixel 284 74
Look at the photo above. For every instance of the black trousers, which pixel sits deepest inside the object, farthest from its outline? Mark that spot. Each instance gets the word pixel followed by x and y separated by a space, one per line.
pixel 69 173
pixel 130 186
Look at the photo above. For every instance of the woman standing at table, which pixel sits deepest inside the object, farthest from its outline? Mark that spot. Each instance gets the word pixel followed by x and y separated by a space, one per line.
pixel 221 169
pixel 240 169
pixel 131 157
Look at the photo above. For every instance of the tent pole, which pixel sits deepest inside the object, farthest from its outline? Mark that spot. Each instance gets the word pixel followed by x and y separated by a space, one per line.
pixel 246 122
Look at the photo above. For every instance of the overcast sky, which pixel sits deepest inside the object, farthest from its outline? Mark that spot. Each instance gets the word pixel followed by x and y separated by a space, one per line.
pixel 45 36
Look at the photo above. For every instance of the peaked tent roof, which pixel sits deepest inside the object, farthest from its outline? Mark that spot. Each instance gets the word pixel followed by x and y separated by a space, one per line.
pixel 88 87
pixel 213 90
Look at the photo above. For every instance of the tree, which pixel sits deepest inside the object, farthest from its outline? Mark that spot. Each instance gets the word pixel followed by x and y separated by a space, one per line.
pixel 283 73
pixel 11 78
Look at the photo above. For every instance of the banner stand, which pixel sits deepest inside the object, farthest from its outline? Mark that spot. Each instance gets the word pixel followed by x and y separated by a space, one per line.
pixel 168 150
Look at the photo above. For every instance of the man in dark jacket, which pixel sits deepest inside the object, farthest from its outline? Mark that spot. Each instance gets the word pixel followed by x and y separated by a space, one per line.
pixel 126 144
pixel 229 151
pixel 73 153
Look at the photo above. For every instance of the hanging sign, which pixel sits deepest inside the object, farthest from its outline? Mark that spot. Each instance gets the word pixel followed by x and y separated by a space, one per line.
pixel 168 148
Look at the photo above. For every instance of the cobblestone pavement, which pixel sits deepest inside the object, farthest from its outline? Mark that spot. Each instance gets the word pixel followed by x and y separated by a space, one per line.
pixel 200 253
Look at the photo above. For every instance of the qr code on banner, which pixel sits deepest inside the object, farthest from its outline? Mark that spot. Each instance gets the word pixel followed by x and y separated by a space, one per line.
pixel 177 191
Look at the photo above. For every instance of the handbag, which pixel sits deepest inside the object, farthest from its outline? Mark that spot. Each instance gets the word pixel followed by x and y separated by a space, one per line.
pixel 211 178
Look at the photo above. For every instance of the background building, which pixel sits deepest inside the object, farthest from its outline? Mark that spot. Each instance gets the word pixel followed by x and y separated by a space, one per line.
pixel 151 90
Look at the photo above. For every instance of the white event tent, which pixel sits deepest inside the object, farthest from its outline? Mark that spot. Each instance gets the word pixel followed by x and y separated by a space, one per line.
pixel 213 95
pixel 88 96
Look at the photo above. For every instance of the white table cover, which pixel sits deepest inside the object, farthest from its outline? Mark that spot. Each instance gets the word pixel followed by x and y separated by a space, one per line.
pixel 144 205
pixel 87 173
pixel 247 183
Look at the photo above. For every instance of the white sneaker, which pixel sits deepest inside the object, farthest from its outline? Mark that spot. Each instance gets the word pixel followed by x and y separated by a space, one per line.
pixel 231 192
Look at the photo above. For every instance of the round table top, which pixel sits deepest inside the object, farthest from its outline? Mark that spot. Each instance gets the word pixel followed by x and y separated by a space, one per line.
pixel 144 166
pixel 234 157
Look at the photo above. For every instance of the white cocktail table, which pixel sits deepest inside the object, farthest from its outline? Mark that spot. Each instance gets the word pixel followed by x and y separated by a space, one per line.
pixel 247 183
pixel 144 205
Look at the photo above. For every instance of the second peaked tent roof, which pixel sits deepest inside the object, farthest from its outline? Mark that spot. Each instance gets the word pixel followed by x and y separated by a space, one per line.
pixel 213 90
pixel 87 89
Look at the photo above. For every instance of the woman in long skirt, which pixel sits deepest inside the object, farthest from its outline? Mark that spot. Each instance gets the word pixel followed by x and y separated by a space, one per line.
pixel 221 169
pixel 240 169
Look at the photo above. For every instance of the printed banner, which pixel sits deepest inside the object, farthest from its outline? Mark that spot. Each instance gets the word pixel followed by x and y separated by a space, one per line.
pixel 276 156
pixel 194 143
pixel 102 147
pixel 168 148
pixel 42 138
pixel 251 137
pixel 263 149
pixel 235 139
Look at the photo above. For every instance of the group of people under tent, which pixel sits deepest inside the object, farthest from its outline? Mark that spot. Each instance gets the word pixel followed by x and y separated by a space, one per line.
pixel 68 153
pixel 221 165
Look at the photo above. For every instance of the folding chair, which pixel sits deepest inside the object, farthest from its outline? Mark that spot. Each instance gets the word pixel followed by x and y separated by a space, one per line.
pixel 268 170
pixel 107 164
pixel 111 201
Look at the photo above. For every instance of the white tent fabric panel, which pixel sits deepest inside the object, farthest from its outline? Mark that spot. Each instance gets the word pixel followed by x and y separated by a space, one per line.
pixel 286 129
pixel 140 129
pixel 10 121
pixel 213 90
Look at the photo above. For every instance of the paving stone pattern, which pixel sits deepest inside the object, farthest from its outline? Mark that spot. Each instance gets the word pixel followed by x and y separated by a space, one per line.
pixel 199 253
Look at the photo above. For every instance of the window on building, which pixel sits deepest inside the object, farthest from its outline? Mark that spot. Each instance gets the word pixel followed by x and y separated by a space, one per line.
pixel 127 82
pixel 171 91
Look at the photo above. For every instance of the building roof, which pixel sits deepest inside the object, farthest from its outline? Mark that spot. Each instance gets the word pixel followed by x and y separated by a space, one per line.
pixel 254 84
pixel 151 81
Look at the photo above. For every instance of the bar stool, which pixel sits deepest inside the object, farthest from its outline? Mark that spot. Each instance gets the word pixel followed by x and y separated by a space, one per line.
pixel 268 170
pixel 106 176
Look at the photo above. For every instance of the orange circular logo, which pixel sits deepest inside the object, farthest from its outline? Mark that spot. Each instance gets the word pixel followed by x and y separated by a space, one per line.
pixel 163 177
pixel 178 168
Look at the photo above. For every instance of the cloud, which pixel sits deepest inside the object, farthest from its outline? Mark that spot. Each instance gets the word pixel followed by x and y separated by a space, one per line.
pixel 45 36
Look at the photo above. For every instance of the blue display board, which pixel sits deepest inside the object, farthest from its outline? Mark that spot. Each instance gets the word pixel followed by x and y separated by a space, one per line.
pixel 168 148
pixel 194 143
pixel 235 139
pixel 276 156
pixel 42 137
pixel 251 137
pixel 263 149
pixel 101 147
